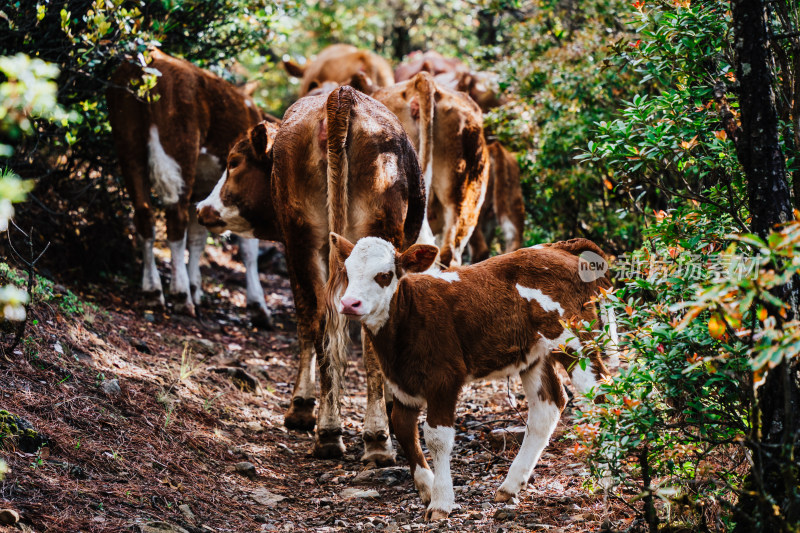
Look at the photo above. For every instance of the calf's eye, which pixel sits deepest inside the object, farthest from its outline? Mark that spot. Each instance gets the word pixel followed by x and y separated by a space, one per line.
pixel 384 278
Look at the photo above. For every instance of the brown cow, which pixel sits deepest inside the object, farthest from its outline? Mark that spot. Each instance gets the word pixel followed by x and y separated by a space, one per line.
pixel 340 63
pixel 503 206
pixel 446 129
pixel 338 162
pixel 434 332
pixel 453 74
pixel 175 143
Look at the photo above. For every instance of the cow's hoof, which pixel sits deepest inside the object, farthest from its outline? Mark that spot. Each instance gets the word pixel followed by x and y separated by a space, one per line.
pixel 154 300
pixel 197 294
pixel 300 416
pixel 260 316
pixel 433 515
pixel 503 497
pixel 377 449
pixel 183 304
pixel 329 444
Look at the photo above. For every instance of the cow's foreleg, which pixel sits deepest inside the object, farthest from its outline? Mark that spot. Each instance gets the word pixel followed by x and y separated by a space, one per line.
pixel 404 419
pixel 256 306
pixel 545 402
pixel 377 440
pixel 440 437
pixel 301 413
pixel 196 238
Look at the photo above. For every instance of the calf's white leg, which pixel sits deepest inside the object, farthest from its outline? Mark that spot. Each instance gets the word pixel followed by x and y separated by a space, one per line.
pixel 544 393
pixel 151 281
pixel 196 236
pixel 180 277
pixel 256 306
pixel 440 440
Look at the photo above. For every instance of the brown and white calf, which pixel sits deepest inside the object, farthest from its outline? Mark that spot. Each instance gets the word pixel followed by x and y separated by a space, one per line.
pixel 434 332
pixel 339 162
pixel 341 63
pixel 446 128
pixel 176 144
pixel 503 205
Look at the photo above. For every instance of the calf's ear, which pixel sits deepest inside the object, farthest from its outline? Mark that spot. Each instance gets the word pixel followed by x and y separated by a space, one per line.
pixel 262 136
pixel 294 69
pixel 342 246
pixel 418 258
pixel 361 82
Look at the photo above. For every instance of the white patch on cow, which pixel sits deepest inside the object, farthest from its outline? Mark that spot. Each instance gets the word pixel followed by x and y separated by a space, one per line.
pixel 196 235
pixel 404 398
pixel 248 248
pixel 370 257
pixel 536 247
pixel 248 102
pixel 165 172
pixel 151 281
pixel 440 440
pixel 423 480
pixel 542 420
pixel 203 150
pixel 234 222
pixel 546 303
pixel 436 272
pixel 509 230
pixel 583 379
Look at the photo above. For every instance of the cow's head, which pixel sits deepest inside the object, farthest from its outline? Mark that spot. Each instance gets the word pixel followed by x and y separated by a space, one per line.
pixel 374 268
pixel 237 203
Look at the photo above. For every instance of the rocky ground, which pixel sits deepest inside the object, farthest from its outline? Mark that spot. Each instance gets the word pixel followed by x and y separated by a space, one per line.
pixel 119 419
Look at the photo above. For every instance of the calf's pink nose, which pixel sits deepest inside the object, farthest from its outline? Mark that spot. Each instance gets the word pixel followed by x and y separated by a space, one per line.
pixel 351 306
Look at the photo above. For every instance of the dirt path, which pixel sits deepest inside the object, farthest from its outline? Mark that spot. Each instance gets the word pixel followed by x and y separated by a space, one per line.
pixel 161 450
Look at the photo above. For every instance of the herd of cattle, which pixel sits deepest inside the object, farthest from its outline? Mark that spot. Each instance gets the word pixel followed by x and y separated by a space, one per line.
pixel 375 181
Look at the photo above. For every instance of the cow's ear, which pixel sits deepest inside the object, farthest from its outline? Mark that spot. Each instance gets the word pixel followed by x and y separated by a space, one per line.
pixel 261 139
pixel 294 69
pixel 418 258
pixel 361 82
pixel 342 246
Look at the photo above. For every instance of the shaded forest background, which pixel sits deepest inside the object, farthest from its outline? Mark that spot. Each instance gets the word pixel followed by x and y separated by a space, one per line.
pixel 626 120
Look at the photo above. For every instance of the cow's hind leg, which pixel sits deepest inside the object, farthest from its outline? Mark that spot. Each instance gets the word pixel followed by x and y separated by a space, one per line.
pixel 377 441
pixel 256 306
pixel 545 402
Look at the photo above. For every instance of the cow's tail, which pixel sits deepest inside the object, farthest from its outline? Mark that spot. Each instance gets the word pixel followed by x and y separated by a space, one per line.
pixel 423 83
pixel 338 108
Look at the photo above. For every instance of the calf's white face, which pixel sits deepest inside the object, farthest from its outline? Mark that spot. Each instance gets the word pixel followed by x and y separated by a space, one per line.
pixel 373 270
pixel 218 217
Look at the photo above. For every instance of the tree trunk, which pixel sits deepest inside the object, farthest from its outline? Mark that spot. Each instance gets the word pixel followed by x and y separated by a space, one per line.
pixel 774 442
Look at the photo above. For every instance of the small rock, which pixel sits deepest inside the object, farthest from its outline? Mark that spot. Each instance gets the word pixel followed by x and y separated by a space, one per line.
pixel 261 519
pixel 187 513
pixel 359 493
pixel 255 427
pixel 475 516
pixel 486 505
pixel 201 345
pixel 265 497
pixel 111 387
pixel 243 380
pixel 246 469
pixel 504 437
pixel 285 449
pixel 161 527
pixel 149 317
pixel 505 513
pixel 9 517
pixel 389 476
